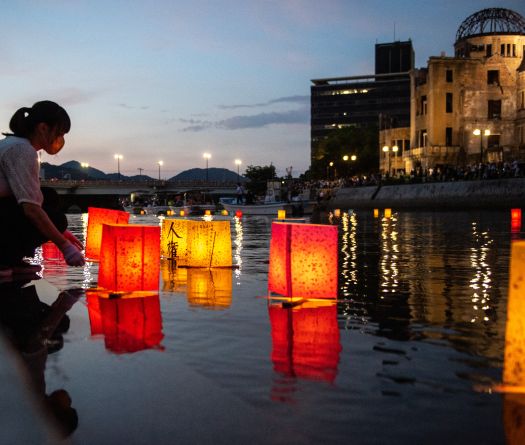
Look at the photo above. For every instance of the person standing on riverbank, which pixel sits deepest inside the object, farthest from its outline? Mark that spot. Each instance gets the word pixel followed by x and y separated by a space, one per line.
pixel 29 216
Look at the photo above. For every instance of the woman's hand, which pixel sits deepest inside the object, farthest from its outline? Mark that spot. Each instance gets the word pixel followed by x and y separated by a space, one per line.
pixel 73 239
pixel 72 254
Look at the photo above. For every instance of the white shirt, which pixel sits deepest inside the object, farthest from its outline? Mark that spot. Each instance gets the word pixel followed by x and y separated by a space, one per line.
pixel 19 171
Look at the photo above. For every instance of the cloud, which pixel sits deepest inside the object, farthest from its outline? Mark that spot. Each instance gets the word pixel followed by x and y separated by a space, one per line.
pixel 134 107
pixel 298 116
pixel 288 99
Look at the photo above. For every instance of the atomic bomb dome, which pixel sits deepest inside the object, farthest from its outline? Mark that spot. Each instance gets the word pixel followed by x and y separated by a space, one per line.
pixel 491 21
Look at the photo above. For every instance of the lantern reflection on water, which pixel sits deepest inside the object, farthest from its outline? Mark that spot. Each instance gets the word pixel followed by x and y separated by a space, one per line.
pixel 173 278
pixel 306 340
pixel 303 260
pixel 197 243
pixel 210 288
pixel 129 257
pixel 96 218
pixel 129 324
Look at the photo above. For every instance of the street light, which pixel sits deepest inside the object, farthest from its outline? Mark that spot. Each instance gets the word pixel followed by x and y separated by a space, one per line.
pixel 395 149
pixel 238 162
pixel 206 156
pixel 161 163
pixel 477 132
pixel 353 158
pixel 84 164
pixel 118 158
pixel 386 150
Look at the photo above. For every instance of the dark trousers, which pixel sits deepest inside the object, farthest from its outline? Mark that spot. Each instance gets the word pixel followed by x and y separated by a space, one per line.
pixel 18 236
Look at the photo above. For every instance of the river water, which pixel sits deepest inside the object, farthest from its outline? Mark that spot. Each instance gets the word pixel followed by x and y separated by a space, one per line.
pixel 408 354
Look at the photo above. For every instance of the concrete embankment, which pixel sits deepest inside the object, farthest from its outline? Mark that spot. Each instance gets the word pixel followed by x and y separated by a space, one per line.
pixel 500 193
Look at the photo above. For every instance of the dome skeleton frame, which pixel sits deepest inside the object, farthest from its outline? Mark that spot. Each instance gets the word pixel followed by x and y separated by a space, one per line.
pixel 491 21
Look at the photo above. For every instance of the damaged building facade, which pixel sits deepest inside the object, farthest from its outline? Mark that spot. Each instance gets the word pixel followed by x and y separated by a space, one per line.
pixel 468 108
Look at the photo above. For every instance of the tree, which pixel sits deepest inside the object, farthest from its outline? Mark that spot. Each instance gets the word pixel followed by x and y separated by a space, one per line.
pixel 258 176
pixel 363 142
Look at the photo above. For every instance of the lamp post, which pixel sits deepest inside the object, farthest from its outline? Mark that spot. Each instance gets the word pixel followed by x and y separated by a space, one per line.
pixel 118 158
pixel 486 133
pixel 330 164
pixel 161 163
pixel 395 149
pixel 206 156
pixel 386 150
pixel 238 162
pixel 353 158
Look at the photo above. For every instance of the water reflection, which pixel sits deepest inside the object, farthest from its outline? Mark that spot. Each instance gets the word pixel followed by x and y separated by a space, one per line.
pixel 237 253
pixel 128 324
pixel 205 288
pixel 305 344
pixel 36 329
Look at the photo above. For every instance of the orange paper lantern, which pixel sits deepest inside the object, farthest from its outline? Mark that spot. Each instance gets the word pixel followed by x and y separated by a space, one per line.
pixel 337 213
pixel 224 212
pixel 305 341
pixel 515 220
pixel 376 213
pixel 388 213
pixel 303 260
pixel 128 324
pixel 281 214
pixel 97 217
pixel 129 257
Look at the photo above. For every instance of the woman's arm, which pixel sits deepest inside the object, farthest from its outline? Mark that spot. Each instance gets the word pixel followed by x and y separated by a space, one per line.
pixel 45 226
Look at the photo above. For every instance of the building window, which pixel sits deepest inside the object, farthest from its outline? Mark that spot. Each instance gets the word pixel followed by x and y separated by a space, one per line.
pixel 493 77
pixel 493 141
pixel 489 50
pixel 494 109
pixel 502 49
pixel 508 49
pixel 513 50
pixel 448 136
pixel 423 104
pixel 407 144
pixel 449 76
pixel 448 103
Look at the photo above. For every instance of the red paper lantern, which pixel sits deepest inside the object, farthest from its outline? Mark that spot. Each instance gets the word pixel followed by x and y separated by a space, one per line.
pixel 128 324
pixel 129 257
pixel 305 341
pixel 238 214
pixel 97 217
pixel 515 220
pixel 303 260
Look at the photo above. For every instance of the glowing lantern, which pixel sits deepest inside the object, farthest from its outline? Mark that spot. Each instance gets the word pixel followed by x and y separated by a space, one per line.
pixel 224 212
pixel 129 257
pixel 197 243
pixel 337 213
pixel 128 324
pixel 515 220
pixel 388 213
pixel 207 212
pixel 514 359
pixel 142 212
pixel 305 341
pixel 210 288
pixel 182 213
pixel 303 260
pixel 281 214
pixel 238 214
pixel 376 213
pixel 97 217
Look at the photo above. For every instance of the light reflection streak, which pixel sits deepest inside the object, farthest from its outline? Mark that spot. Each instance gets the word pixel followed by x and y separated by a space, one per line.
pixel 389 256
pixel 348 253
pixel 238 248
pixel 481 283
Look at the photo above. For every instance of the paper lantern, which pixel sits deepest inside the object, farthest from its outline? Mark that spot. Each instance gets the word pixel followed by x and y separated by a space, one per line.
pixel 224 212
pixel 207 212
pixel 281 214
pixel 238 214
pixel 376 213
pixel 337 213
pixel 514 358
pixel 210 288
pixel 197 243
pixel 305 341
pixel 129 257
pixel 515 220
pixel 128 324
pixel 97 217
pixel 388 213
pixel 303 260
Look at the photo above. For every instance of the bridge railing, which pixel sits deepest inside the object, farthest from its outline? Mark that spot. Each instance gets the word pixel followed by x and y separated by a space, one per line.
pixel 72 183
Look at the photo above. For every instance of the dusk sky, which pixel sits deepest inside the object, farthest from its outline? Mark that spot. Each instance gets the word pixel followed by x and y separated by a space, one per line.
pixel 169 80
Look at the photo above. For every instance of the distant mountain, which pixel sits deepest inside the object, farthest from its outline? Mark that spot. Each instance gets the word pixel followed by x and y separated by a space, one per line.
pixel 214 174
pixel 74 170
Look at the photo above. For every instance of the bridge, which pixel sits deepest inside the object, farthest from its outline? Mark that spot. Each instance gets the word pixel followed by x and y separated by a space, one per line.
pixel 108 194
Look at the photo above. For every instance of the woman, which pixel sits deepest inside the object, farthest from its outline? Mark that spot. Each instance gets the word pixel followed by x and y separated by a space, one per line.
pixel 30 216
